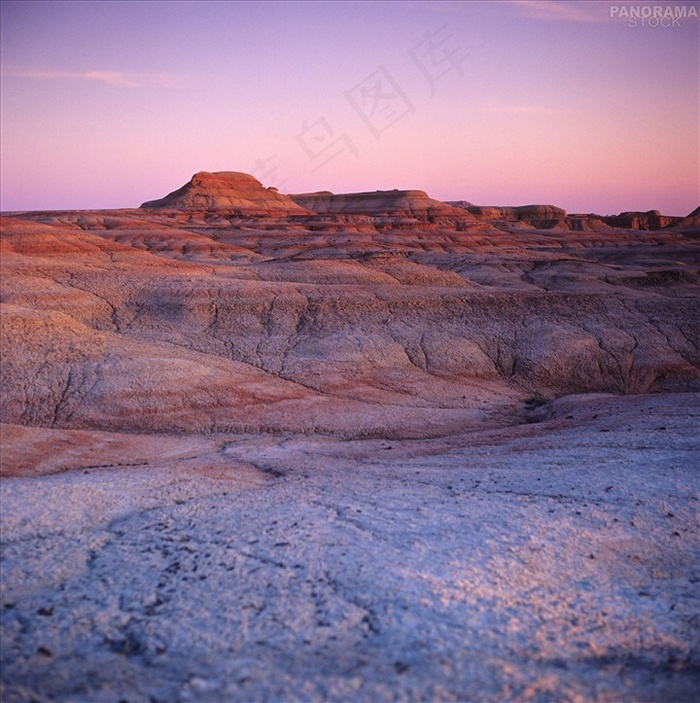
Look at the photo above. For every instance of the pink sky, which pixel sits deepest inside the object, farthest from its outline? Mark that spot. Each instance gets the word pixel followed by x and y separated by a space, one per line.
pixel 109 104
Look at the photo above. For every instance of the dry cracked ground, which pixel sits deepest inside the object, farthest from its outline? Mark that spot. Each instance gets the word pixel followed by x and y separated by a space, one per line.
pixel 262 460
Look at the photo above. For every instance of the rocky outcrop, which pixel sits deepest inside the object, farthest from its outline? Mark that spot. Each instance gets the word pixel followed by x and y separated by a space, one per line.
pixel 229 191
pixel 538 216
pixel 211 198
pixel 528 213
pixel 411 204
pixel 690 225
pixel 587 223
pixel 649 220
pixel 551 217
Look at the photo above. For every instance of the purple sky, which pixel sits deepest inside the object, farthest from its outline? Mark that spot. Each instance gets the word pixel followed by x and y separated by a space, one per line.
pixel 108 104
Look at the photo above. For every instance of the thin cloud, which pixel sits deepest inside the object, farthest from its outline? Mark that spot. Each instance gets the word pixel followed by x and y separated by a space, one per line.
pixel 558 11
pixel 117 79
pixel 590 11
pixel 110 78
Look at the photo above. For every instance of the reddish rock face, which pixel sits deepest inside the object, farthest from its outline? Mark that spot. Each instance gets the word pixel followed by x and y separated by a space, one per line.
pixel 227 190
pixel 652 219
pixel 229 194
pixel 520 212
pixel 381 203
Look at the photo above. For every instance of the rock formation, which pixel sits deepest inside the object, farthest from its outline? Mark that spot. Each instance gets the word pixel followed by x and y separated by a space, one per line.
pixel 691 223
pixel 551 217
pixel 227 190
pixel 652 219
pixel 539 216
pixel 415 204
pixel 528 213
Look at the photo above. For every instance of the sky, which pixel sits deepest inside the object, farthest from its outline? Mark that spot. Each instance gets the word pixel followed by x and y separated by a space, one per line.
pixel 590 106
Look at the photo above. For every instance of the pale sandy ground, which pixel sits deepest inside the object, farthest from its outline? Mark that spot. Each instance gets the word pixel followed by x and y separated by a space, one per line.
pixel 555 561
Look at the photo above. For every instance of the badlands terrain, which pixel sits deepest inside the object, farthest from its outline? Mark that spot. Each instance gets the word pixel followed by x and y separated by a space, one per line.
pixel 360 447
